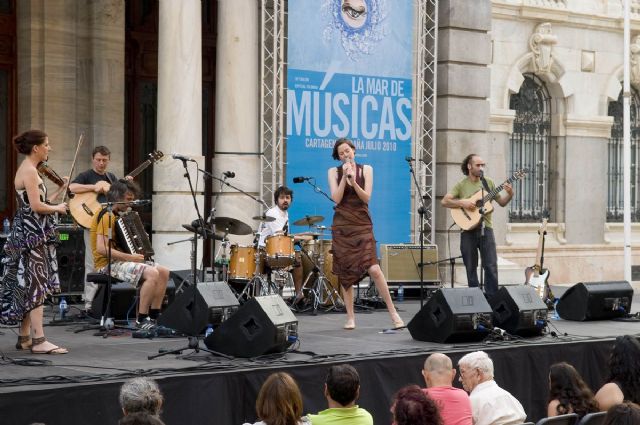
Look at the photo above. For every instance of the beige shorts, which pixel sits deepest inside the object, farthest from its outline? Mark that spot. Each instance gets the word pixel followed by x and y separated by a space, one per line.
pixel 127 271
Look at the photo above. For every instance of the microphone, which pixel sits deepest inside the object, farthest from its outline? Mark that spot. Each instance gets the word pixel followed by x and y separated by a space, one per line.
pixel 182 157
pixel 409 159
pixel 481 174
pixel 301 179
pixel 140 202
pixel 229 174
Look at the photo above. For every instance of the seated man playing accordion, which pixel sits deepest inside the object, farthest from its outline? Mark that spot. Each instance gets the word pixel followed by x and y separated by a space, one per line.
pixel 151 279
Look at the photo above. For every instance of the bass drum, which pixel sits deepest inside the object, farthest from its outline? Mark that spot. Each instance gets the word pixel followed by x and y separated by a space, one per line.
pixel 313 249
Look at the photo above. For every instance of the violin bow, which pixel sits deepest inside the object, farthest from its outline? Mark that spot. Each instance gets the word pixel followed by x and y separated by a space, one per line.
pixel 73 166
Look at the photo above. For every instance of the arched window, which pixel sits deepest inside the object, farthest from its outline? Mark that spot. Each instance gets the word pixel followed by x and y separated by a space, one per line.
pixel 615 164
pixel 530 142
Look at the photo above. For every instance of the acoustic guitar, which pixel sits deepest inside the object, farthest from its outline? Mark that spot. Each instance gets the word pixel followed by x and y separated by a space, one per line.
pixel 536 276
pixel 468 219
pixel 84 206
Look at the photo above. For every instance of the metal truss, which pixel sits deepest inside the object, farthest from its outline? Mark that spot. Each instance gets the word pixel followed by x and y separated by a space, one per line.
pixel 272 91
pixel 424 115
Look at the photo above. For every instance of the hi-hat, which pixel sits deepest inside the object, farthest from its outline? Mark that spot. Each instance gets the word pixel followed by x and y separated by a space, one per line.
pixel 308 220
pixel 232 226
pixel 263 217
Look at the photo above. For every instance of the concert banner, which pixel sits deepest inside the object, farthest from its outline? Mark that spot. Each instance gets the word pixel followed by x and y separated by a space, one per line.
pixel 350 65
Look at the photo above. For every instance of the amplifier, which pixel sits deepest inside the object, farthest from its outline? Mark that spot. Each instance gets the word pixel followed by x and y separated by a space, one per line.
pixel 70 253
pixel 400 263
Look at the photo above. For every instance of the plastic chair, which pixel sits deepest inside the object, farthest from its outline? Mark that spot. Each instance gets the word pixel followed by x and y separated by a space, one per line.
pixel 596 418
pixel 568 419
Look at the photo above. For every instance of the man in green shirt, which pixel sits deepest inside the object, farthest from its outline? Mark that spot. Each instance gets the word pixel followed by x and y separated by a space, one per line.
pixel 342 389
pixel 473 240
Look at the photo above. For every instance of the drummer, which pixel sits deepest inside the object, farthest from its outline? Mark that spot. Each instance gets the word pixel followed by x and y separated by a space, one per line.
pixel 282 197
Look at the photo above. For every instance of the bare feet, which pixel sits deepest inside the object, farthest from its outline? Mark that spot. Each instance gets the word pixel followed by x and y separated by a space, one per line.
pixel 350 325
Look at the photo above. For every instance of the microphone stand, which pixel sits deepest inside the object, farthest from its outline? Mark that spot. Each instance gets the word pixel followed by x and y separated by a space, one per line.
pixel 312 182
pixel 421 211
pixel 482 213
pixel 226 183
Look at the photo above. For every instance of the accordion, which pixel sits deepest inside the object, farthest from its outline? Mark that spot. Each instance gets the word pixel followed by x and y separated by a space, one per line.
pixel 131 236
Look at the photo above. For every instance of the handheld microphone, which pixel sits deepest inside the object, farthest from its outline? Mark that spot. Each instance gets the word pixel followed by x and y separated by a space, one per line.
pixel 229 174
pixel 301 179
pixel 181 157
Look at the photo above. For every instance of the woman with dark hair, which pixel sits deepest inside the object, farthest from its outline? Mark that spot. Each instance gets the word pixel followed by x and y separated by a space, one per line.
pixel 31 267
pixel 623 383
pixel 411 406
pixel 280 402
pixel 354 246
pixel 623 414
pixel 568 393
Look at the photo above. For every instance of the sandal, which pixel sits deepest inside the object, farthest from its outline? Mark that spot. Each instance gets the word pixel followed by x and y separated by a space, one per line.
pixel 350 325
pixel 24 342
pixel 54 350
pixel 397 321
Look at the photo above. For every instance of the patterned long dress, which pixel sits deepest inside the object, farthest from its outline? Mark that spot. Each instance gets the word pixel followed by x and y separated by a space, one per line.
pixel 354 246
pixel 30 264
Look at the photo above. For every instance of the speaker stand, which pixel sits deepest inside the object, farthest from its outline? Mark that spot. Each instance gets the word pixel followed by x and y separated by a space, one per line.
pixel 193 344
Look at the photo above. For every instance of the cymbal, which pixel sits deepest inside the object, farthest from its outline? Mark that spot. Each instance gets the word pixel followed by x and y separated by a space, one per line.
pixel 263 217
pixel 208 234
pixel 232 225
pixel 308 220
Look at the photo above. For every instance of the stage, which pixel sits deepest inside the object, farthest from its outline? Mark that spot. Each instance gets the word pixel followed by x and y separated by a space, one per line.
pixel 82 386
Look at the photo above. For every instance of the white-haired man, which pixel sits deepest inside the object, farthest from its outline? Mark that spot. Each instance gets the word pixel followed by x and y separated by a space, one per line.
pixel 454 404
pixel 490 404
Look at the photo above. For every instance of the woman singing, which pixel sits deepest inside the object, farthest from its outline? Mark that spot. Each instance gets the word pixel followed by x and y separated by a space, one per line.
pixel 354 247
pixel 31 269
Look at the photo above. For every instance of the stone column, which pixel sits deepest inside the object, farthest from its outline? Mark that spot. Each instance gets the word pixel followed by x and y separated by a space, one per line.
pixel 238 107
pixel 179 128
pixel 464 51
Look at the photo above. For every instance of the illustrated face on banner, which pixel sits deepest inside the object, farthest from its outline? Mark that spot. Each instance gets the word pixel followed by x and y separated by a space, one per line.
pixel 354 12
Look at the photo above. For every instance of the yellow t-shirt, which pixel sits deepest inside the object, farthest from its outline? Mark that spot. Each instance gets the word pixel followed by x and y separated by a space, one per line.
pixel 102 228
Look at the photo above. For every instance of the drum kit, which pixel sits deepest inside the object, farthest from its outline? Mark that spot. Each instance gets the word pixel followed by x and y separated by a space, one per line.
pixel 253 270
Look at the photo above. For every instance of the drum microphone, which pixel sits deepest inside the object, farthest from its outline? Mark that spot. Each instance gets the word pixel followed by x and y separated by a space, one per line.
pixel 229 174
pixel 301 179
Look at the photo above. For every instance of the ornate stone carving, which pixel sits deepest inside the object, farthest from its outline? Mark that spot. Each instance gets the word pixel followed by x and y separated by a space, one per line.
pixel 558 4
pixel 541 43
pixel 634 60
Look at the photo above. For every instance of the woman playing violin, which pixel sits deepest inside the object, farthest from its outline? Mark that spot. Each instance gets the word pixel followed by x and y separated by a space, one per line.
pixel 31 269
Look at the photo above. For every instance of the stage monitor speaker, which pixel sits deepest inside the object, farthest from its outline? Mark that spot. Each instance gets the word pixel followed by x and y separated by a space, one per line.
pixel 123 304
pixel 200 305
pixel 519 310
pixel 70 254
pixel 596 301
pixel 262 325
pixel 400 263
pixel 452 315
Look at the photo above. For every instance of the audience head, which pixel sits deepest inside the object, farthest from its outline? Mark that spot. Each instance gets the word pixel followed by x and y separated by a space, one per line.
pixel 342 384
pixel 626 413
pixel 624 366
pixel 411 406
pixel 279 401
pixel 140 395
pixel 438 370
pixel 140 418
pixel 475 368
pixel 573 394
pixel 25 142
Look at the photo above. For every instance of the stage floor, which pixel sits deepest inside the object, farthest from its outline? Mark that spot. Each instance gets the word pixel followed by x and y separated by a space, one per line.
pixel 93 359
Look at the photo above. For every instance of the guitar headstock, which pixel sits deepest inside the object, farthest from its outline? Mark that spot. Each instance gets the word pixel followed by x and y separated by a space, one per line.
pixel 521 173
pixel 155 156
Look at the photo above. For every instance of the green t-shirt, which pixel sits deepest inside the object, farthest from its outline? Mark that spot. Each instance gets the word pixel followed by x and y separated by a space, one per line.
pixel 466 188
pixel 343 415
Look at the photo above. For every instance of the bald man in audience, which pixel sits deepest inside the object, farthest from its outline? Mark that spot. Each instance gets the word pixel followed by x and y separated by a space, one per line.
pixel 454 403
pixel 490 404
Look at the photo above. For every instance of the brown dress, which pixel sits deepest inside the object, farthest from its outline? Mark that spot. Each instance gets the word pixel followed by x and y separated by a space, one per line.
pixel 353 247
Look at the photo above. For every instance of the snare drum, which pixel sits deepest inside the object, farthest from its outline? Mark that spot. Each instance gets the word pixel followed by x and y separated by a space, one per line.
pixel 242 265
pixel 279 249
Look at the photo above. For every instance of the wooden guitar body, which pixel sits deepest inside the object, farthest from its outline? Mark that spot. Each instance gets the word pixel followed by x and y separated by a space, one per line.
pixel 470 219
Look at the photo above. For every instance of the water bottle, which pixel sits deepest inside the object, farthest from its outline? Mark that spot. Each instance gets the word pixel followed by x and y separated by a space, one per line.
pixel 555 315
pixel 209 330
pixel 400 293
pixel 6 226
pixel 63 307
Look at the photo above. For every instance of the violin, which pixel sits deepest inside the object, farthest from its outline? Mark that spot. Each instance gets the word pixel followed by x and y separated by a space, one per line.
pixel 48 172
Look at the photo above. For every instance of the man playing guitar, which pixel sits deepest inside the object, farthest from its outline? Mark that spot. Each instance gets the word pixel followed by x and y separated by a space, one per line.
pixel 96 179
pixel 471 240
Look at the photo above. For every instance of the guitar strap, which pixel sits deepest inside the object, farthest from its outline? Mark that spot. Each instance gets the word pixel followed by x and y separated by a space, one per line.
pixel 485 184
